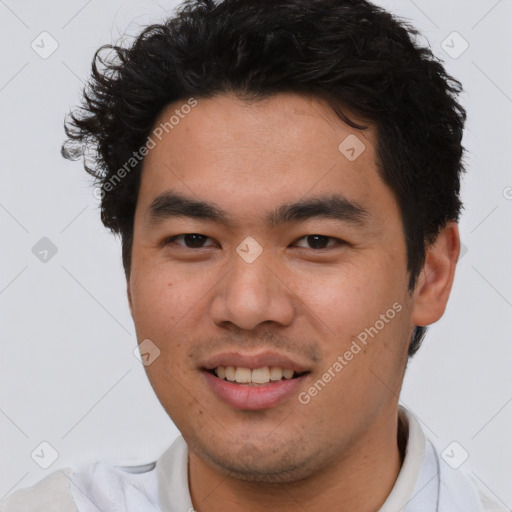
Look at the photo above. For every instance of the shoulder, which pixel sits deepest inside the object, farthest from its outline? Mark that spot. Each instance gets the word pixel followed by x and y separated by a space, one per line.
pixel 460 491
pixel 489 504
pixel 99 485
pixel 110 487
pixel 51 494
pixel 437 483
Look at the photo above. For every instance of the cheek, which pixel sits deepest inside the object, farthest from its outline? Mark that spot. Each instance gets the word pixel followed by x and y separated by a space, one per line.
pixel 342 298
pixel 151 302
pixel 161 295
pixel 363 303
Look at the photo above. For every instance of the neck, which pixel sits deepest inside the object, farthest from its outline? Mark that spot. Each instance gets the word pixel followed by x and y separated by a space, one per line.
pixel 360 480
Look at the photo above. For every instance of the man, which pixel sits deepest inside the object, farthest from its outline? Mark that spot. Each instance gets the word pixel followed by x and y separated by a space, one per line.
pixel 284 176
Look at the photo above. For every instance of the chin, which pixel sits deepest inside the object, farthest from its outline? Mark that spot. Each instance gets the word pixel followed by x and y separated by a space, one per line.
pixel 250 464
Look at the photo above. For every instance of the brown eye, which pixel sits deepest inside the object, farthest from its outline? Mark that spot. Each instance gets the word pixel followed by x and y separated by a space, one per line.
pixel 319 241
pixel 190 240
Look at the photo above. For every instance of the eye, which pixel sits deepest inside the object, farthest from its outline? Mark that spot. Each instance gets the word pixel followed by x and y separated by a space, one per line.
pixel 320 241
pixel 191 240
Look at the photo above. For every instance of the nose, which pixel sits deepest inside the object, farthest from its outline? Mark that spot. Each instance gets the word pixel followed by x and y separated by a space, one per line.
pixel 252 294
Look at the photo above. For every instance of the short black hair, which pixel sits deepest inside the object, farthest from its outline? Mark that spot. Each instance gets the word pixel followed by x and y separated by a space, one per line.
pixel 350 53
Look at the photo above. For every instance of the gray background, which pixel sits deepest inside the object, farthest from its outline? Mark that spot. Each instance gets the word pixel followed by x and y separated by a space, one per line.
pixel 67 370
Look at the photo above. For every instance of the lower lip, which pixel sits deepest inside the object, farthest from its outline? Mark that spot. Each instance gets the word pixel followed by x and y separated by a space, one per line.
pixel 252 398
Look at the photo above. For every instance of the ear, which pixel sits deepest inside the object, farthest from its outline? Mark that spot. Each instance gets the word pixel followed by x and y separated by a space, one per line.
pixel 436 278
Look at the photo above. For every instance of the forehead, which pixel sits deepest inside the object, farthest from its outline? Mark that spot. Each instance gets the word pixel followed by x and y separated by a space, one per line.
pixel 254 155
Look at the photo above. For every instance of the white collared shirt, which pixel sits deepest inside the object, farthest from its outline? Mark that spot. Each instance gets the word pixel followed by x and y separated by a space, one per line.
pixel 425 483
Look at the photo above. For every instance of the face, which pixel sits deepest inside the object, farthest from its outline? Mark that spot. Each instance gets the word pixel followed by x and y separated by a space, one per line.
pixel 290 258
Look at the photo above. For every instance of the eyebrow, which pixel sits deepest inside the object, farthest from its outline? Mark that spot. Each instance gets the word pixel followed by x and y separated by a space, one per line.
pixel 171 204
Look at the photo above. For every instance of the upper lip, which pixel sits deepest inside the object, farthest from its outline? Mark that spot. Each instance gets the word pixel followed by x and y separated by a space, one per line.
pixel 253 361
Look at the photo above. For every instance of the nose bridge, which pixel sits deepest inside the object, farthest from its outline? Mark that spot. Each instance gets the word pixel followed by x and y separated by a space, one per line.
pixel 251 294
pixel 251 278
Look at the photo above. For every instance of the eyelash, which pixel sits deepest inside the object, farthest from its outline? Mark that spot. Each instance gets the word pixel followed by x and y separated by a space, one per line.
pixel 338 241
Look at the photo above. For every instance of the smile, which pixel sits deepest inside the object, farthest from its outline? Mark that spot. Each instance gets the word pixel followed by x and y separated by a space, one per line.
pixel 252 395
pixel 256 376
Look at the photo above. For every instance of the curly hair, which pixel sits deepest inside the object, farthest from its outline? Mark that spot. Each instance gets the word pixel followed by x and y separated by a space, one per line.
pixel 349 53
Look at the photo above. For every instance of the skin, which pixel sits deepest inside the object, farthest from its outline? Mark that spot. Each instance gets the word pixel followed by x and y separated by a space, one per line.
pixel 339 451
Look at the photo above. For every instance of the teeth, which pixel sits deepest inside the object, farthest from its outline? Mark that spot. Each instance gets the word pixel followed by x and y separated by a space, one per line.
pixel 243 375
pixel 287 374
pixel 276 373
pixel 262 375
pixel 230 373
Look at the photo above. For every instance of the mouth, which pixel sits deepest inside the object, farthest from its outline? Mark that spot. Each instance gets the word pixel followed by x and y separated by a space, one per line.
pixel 255 377
pixel 254 381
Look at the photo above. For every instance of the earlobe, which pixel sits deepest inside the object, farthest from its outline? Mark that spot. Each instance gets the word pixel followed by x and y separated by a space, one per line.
pixel 436 279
